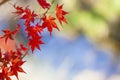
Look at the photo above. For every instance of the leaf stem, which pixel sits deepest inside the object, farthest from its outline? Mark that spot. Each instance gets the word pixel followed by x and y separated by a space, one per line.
pixel 49 7
pixel 25 54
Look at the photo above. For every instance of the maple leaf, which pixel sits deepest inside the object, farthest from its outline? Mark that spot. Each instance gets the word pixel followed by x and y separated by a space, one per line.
pixel 43 4
pixel 8 34
pixel 4 75
pixel 49 23
pixel 19 9
pixel 28 16
pixel 60 14
pixel 38 28
pixel 16 67
pixel 14 54
pixel 34 30
pixel 35 42
pixel 31 32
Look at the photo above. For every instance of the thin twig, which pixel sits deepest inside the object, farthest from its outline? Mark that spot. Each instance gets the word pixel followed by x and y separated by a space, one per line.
pixel 49 7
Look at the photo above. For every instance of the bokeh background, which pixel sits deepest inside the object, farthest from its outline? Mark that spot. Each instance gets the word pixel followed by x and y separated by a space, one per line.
pixel 87 48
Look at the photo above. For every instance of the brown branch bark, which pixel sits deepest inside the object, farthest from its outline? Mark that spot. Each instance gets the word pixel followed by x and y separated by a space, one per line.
pixel 3 2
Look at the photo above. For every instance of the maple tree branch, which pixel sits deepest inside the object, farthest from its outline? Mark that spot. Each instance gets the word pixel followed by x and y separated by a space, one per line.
pixel 3 2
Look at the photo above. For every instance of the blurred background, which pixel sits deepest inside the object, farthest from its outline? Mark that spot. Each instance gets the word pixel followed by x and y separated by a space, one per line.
pixel 87 48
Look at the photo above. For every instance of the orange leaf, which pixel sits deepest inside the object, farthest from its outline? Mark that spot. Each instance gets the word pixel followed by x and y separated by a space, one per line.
pixel 49 23
pixel 60 14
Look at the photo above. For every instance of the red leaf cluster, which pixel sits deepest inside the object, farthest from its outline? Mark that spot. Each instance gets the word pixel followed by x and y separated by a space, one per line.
pixel 34 32
pixel 11 61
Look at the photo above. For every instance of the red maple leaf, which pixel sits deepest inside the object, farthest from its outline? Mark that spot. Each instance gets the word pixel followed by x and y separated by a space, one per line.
pixel 43 4
pixel 38 28
pixel 29 16
pixel 26 14
pixel 31 32
pixel 19 10
pixel 34 30
pixel 60 14
pixel 4 74
pixel 35 42
pixel 49 23
pixel 16 67
pixel 8 33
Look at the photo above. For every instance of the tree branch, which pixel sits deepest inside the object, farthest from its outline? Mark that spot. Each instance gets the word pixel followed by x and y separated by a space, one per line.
pixel 3 2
